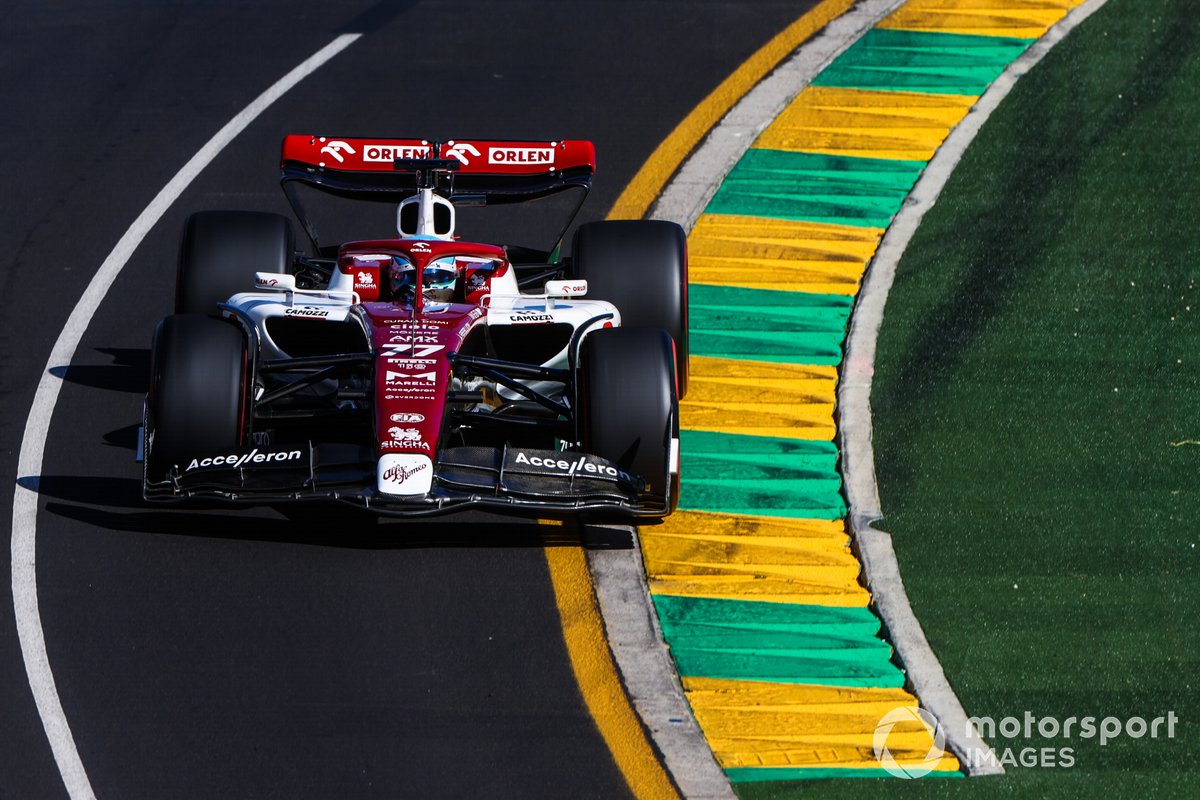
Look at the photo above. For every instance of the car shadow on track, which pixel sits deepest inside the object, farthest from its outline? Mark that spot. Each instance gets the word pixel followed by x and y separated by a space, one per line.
pixel 116 504
pixel 129 371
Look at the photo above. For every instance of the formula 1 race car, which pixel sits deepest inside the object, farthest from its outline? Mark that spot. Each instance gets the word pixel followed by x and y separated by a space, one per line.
pixel 423 374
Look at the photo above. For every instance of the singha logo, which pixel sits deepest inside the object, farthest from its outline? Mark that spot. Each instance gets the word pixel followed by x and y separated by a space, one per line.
pixel 406 435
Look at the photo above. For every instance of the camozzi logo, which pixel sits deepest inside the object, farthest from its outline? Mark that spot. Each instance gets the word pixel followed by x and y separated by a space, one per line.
pixel 908 716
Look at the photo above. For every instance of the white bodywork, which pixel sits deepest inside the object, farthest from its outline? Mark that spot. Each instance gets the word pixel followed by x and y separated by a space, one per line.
pixel 561 303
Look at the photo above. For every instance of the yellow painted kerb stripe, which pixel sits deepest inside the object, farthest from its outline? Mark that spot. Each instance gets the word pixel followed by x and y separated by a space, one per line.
pixel 649 181
pixel 603 693
pixel 583 630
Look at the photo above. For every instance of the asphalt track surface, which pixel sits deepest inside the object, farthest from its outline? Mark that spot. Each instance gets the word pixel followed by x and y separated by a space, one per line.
pixel 208 653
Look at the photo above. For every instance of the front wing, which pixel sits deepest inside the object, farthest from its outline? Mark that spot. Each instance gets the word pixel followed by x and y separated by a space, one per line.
pixel 517 480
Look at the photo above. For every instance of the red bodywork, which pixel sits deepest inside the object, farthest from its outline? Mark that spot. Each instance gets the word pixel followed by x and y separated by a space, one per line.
pixel 412 341
pixel 480 157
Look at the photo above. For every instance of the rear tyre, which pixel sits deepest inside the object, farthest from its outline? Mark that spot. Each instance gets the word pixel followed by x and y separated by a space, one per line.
pixel 197 396
pixel 640 266
pixel 221 251
pixel 628 409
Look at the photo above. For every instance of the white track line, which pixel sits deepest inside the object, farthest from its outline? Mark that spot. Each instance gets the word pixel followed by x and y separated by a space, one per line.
pixel 854 401
pixel 33 446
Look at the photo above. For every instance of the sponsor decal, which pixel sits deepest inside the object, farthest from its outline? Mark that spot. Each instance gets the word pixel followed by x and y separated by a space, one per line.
pixel 520 318
pixel 410 378
pixel 399 473
pixel 408 417
pixel 521 155
pixel 239 460
pixel 408 325
pixel 406 446
pixel 421 247
pixel 415 338
pixel 582 466
pixel 387 153
pixel 406 438
pixel 266 281
pixel 460 151
pixel 413 350
pixel 370 259
pixel 411 363
pixel 306 311
pixel 337 148
pixel 366 282
pixel 404 473
pixel 404 434
pixel 410 393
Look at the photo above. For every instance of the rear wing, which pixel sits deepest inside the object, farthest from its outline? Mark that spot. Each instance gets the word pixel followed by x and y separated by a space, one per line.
pixel 493 171
pixel 475 171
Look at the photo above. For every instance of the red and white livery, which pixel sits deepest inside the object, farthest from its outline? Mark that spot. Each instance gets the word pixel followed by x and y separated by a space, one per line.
pixel 417 372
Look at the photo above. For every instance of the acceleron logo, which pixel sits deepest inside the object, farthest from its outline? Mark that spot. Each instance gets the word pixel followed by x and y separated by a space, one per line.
pixel 908 715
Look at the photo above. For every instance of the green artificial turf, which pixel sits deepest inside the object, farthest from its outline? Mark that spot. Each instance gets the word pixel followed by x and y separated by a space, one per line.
pixel 1037 413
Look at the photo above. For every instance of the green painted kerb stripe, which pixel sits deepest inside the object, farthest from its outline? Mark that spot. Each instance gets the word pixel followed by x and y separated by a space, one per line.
pixel 760 774
pixel 761 475
pixel 776 642
pixel 813 187
pixel 938 63
pixel 764 325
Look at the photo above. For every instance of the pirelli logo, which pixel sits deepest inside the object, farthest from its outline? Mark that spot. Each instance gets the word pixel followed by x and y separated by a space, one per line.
pixel 521 155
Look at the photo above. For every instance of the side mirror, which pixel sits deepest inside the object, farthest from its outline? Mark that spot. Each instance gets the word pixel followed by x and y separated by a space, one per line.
pixel 577 288
pixel 274 282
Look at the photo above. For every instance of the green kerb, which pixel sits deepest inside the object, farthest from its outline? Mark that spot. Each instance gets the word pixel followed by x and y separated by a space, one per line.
pixel 763 325
pixel 937 63
pixel 762 774
pixel 840 190
pixel 761 475
pixel 776 642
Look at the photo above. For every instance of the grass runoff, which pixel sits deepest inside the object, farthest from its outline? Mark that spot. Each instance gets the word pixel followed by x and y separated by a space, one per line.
pixel 1037 414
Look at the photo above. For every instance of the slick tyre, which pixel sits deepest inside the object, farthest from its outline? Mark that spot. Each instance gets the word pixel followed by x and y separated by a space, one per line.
pixel 628 407
pixel 640 266
pixel 197 400
pixel 220 252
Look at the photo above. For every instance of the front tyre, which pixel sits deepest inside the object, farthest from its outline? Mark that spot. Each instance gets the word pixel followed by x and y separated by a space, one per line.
pixel 628 408
pixel 197 402
pixel 221 251
pixel 640 266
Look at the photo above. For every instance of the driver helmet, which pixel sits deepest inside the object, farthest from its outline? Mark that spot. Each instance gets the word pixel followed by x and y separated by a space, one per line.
pixel 439 281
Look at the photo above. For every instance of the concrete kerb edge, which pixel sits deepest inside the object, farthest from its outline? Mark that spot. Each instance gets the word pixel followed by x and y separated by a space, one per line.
pixel 619 577
pixel 694 185
pixel 648 672
pixel 880 567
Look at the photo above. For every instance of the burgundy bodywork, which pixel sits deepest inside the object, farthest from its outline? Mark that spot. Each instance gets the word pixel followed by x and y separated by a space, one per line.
pixel 412 341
